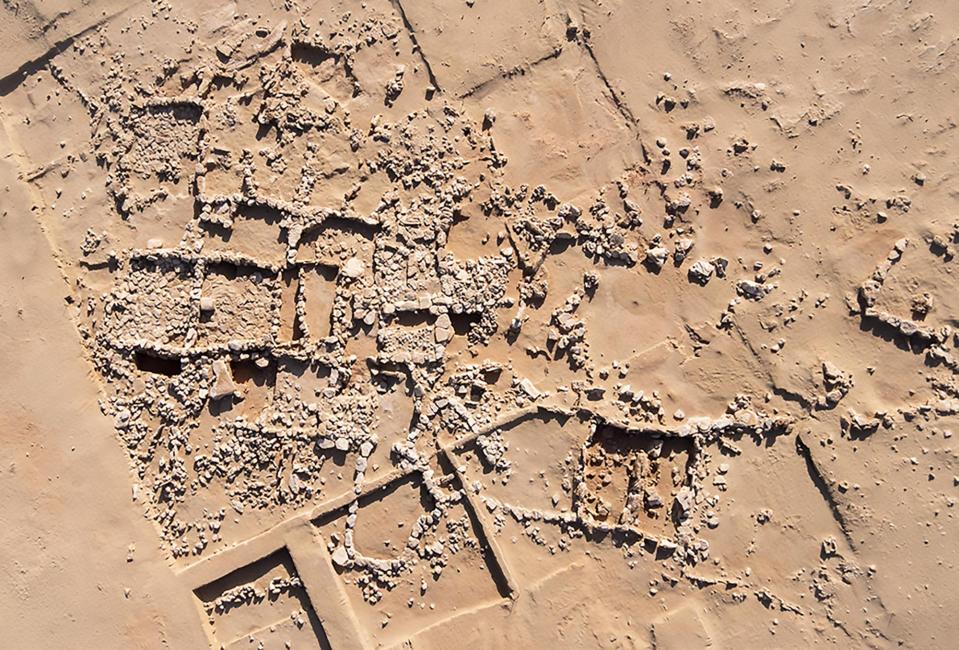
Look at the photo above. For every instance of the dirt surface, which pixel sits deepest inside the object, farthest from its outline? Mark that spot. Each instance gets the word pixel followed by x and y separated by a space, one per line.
pixel 478 323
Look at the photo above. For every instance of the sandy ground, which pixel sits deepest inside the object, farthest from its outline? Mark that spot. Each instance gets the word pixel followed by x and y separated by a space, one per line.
pixel 423 324
pixel 68 525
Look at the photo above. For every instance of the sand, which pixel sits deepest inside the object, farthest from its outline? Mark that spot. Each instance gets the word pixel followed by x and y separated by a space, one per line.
pixel 478 323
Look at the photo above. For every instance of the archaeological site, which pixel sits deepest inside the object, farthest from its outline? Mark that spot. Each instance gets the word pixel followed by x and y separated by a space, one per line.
pixel 439 324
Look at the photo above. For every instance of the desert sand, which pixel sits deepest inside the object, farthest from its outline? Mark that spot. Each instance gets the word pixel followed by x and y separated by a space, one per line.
pixel 479 324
